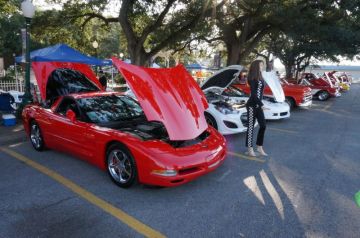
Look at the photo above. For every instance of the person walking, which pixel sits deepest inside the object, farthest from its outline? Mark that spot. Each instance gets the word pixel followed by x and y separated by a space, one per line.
pixel 255 107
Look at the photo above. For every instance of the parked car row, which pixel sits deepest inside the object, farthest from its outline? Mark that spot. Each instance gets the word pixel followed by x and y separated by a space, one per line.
pixel 331 84
pixel 166 130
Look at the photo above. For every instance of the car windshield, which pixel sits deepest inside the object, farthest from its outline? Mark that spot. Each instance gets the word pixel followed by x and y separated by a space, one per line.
pixel 110 108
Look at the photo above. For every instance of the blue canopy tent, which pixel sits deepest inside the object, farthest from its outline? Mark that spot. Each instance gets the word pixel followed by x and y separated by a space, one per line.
pixel 63 53
pixel 195 66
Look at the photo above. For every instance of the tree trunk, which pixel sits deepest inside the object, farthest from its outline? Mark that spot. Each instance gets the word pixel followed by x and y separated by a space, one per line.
pixel 138 55
pixel 234 51
pixel 288 70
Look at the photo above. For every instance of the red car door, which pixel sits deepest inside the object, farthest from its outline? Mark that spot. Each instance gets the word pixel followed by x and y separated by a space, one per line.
pixel 73 136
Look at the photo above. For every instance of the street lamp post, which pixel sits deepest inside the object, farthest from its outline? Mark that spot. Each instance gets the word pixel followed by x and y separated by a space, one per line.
pixel 95 44
pixel 28 10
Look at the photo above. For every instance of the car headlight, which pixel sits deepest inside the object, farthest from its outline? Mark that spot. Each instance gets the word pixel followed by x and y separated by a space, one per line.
pixel 226 111
pixel 165 172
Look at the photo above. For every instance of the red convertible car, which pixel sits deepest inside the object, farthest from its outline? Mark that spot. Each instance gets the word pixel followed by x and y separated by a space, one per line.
pixel 161 140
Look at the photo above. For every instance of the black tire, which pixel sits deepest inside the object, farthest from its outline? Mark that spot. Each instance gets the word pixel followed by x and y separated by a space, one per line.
pixel 36 138
pixel 291 102
pixel 323 95
pixel 211 120
pixel 122 172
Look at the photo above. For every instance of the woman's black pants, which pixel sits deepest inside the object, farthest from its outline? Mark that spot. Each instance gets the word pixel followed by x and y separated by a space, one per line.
pixel 255 113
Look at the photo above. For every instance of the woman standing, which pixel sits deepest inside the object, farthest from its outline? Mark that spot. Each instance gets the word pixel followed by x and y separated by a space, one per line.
pixel 255 107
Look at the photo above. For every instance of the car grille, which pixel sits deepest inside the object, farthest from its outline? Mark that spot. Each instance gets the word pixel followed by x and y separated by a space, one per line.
pixel 307 97
pixel 283 113
pixel 230 124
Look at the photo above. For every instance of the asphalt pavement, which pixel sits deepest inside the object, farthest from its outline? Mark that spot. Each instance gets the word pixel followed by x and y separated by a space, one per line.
pixel 305 189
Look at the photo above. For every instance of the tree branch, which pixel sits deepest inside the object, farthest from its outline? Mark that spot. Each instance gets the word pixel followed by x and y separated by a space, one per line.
pixel 188 25
pixel 158 22
pixel 124 21
pixel 91 15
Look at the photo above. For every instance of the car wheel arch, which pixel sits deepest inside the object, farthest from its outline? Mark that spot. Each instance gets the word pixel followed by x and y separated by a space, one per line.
pixel 327 93
pixel 111 143
pixel 291 100
pixel 30 121
pixel 212 117
pixel 126 148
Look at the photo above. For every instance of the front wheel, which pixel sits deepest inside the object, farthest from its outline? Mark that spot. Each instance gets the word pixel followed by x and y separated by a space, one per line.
pixel 121 166
pixel 291 102
pixel 36 137
pixel 323 95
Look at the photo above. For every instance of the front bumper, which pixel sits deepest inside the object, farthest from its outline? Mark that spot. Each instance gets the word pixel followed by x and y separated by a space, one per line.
pixel 277 115
pixel 186 175
pixel 276 111
pixel 190 162
pixel 230 124
pixel 306 104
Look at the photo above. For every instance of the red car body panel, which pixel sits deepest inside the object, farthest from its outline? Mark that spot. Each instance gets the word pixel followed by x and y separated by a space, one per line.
pixel 42 71
pixel 296 92
pixel 170 96
pixel 318 84
pixel 89 141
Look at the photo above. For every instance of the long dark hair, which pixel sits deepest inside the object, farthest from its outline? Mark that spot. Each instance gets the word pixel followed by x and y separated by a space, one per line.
pixel 254 71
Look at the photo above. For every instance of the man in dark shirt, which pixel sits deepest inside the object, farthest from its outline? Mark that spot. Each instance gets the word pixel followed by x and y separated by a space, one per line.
pixel 103 79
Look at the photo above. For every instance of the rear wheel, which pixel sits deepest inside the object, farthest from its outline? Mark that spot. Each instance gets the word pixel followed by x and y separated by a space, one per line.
pixel 36 137
pixel 211 120
pixel 323 95
pixel 121 166
pixel 291 102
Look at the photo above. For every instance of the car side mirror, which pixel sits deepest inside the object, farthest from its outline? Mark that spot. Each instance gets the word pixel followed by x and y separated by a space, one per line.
pixel 70 114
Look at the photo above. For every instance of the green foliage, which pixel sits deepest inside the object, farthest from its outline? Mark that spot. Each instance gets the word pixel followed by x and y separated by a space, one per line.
pixel 10 38
pixel 316 29
pixel 293 30
pixel 51 27
pixel 9 7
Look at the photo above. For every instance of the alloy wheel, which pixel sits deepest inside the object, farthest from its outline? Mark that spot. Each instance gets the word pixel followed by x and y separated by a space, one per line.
pixel 119 166
pixel 35 136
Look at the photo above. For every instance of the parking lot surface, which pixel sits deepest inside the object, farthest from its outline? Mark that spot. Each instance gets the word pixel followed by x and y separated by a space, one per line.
pixel 305 189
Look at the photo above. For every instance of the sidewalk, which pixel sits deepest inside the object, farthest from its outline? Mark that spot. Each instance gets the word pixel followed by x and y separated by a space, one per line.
pixel 12 134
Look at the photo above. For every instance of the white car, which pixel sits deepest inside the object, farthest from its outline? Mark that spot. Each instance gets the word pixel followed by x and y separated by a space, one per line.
pixel 276 110
pixel 227 104
pixel 224 114
pixel 227 115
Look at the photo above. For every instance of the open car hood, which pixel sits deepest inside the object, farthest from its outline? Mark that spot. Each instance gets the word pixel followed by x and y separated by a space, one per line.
pixel 272 80
pixel 222 79
pixel 170 96
pixel 51 78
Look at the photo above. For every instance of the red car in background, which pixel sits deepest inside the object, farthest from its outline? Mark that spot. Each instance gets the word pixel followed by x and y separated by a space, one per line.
pixel 343 84
pixel 162 140
pixel 344 77
pixel 321 89
pixel 295 95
